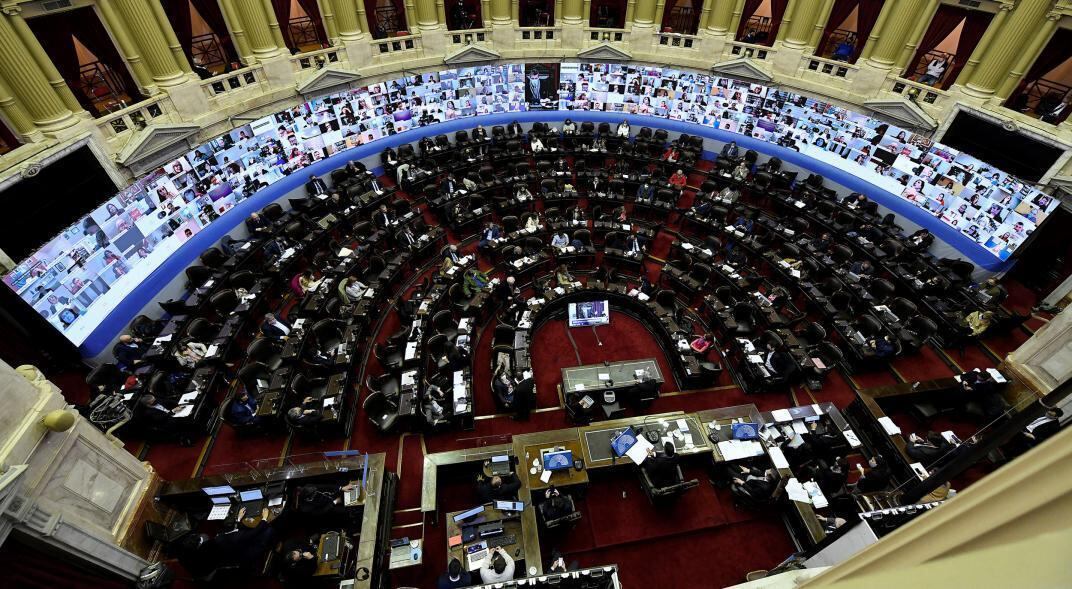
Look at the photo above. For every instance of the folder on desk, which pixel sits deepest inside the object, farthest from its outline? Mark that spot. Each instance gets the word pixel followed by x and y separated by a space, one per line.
pixel 454 541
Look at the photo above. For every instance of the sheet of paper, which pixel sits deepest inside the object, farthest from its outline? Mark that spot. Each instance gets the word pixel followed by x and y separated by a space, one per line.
pixel 275 501
pixel 212 350
pixel 579 386
pixel 188 398
pixel 799 427
pixel 850 437
pixel 796 492
pixel 888 425
pixel 777 458
pixel 638 452
pixel 545 476
pixel 183 410
pixel 817 409
pixel 344 252
pixel 604 376
pixel 329 401
pixel 781 415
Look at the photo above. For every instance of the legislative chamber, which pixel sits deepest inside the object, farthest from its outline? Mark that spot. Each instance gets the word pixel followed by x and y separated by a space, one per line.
pixel 581 294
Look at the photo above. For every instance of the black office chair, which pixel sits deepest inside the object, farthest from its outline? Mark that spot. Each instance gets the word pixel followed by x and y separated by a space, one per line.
pixel 196 276
pixel 266 351
pixel 105 378
pixel 390 356
pixel 382 411
pixel 213 257
pixel 255 377
pixel 661 493
pixel 224 302
pixel 563 520
pixel 145 328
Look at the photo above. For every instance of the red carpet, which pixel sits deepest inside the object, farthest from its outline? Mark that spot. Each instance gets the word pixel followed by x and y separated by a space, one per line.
pixel 924 365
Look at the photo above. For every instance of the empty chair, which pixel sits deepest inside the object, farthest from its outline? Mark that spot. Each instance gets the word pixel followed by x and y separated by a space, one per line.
pixel 266 351
pixel 381 411
pixel 917 330
pixel 201 329
pixel 255 377
pixel 273 212
pixel 224 302
pixel 443 322
pixel 145 328
pixel 390 357
pixel 881 288
pixel 213 257
pixel 196 276
pixel 744 315
pixel 811 335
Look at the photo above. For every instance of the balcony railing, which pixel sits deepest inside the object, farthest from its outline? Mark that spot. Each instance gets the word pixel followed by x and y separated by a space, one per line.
pixel 682 19
pixel 209 51
pixel 396 45
pixel 304 33
pixel 757 31
pixel 738 49
pixel 677 41
pixel 827 68
pixel 921 67
pixel 839 41
pixel 537 34
pixel 315 60
pixel 137 116
pixel 921 94
pixel 1042 99
pixel 231 83
pixel 468 37
pixel 595 36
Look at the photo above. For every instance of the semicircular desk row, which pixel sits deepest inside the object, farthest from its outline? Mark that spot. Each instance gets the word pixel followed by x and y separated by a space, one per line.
pixel 146 292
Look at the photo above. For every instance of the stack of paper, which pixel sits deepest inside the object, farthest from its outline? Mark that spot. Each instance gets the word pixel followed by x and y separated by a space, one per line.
pixel 781 415
pixel 888 425
pixel 739 449
pixel 183 410
pixel 638 452
pixel 777 457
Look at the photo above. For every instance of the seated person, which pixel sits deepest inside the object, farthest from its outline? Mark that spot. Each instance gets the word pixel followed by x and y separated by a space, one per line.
pixel 645 192
pixel 729 195
pixel 977 322
pixel 755 484
pixel 980 386
pixel 927 450
pixel 456 576
pixel 575 408
pixel 299 557
pixel 536 144
pixel 128 351
pixel 730 150
pixel 498 567
pixel 498 488
pixel 920 240
pixel 258 224
pixel 882 347
pixel 474 282
pixel 778 362
pixel 243 409
pixel 744 224
pixel 533 223
pixel 861 268
pixel 189 353
pixel 822 243
pixel 303 282
pixel 678 180
pixel 405 238
pixel 274 328
pixel 490 233
pixel 555 504
pixel 154 411
pixel 432 405
pixel 661 468
pixel 633 245
pixel 351 289
pixel 560 240
pixel 242 546
pixel 832 478
pixel 323 501
pixel 563 276
pixel 877 478
pixel 854 200
pixel 308 413
pixel 741 172
pixel 701 344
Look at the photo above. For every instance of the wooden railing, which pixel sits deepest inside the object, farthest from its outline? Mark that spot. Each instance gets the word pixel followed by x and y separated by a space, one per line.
pixel 137 116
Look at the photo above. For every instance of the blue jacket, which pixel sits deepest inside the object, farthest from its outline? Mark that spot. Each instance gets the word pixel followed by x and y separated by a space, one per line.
pixel 244 412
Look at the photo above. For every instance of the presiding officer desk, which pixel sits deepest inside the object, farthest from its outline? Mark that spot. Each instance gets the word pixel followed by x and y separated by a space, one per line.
pixel 362 555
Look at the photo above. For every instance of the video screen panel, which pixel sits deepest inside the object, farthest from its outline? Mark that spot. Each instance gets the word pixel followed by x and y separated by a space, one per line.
pixel 77 277
pixel 996 210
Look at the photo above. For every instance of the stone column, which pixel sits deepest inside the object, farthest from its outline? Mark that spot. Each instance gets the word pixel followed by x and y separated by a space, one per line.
pixel 644 14
pixel 146 34
pixel 29 85
pixel 573 23
pixel 898 20
pixel 822 20
pixel 138 69
pixel 432 29
pixel 501 13
pixel 169 34
pixel 33 46
pixel 789 16
pixel 238 32
pixel 346 20
pixel 16 116
pixel 876 31
pixel 573 11
pixel 735 18
pixel 806 16
pixel 264 41
pixel 327 12
pixel 1027 58
pixel 913 39
pixel 1015 35
pixel 984 43
pixel 267 14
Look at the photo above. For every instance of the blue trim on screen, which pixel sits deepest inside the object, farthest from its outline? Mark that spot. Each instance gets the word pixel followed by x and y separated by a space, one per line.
pixel 145 293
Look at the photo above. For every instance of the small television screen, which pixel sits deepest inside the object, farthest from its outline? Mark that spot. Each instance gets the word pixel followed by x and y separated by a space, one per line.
pixel 623 442
pixel 589 313
pixel 558 460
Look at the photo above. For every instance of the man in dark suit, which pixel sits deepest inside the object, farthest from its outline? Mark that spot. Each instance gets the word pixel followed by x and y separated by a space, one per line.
pixel 315 186
pixel 258 224
pixel 382 218
pixel 661 468
pixel 498 488
pixel 244 409
pixel 323 501
pixel 299 557
pixel 524 398
pixel 448 185
pixel 405 238
pixel 128 351
pixel 274 327
pixel 778 362
pixel 243 546
pixel 306 414
pixel 153 411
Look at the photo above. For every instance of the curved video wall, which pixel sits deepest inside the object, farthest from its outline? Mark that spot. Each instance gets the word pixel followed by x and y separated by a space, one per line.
pixel 76 280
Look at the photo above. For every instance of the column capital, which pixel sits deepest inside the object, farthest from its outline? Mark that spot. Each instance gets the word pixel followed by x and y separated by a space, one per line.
pixel 11 9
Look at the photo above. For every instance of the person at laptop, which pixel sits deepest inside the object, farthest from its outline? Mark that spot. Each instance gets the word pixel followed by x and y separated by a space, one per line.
pixel 323 501
pixel 242 546
pixel 778 362
pixel 299 557
pixel 305 414
pixel 456 576
pixel 498 567
pixel 274 328
pixel 498 488
pixel 861 268
pixel 244 409
pixel 926 450
pixel 661 468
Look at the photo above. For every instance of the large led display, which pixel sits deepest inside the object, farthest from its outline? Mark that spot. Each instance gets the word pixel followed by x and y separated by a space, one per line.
pixel 75 279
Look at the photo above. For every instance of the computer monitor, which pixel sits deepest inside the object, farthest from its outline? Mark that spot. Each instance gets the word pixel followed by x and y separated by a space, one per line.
pixel 218 500
pixel 589 313
pixel 510 505
pixel 622 442
pixel 745 431
pixel 501 458
pixel 253 495
pixel 558 460
pixel 468 514
pixel 222 490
